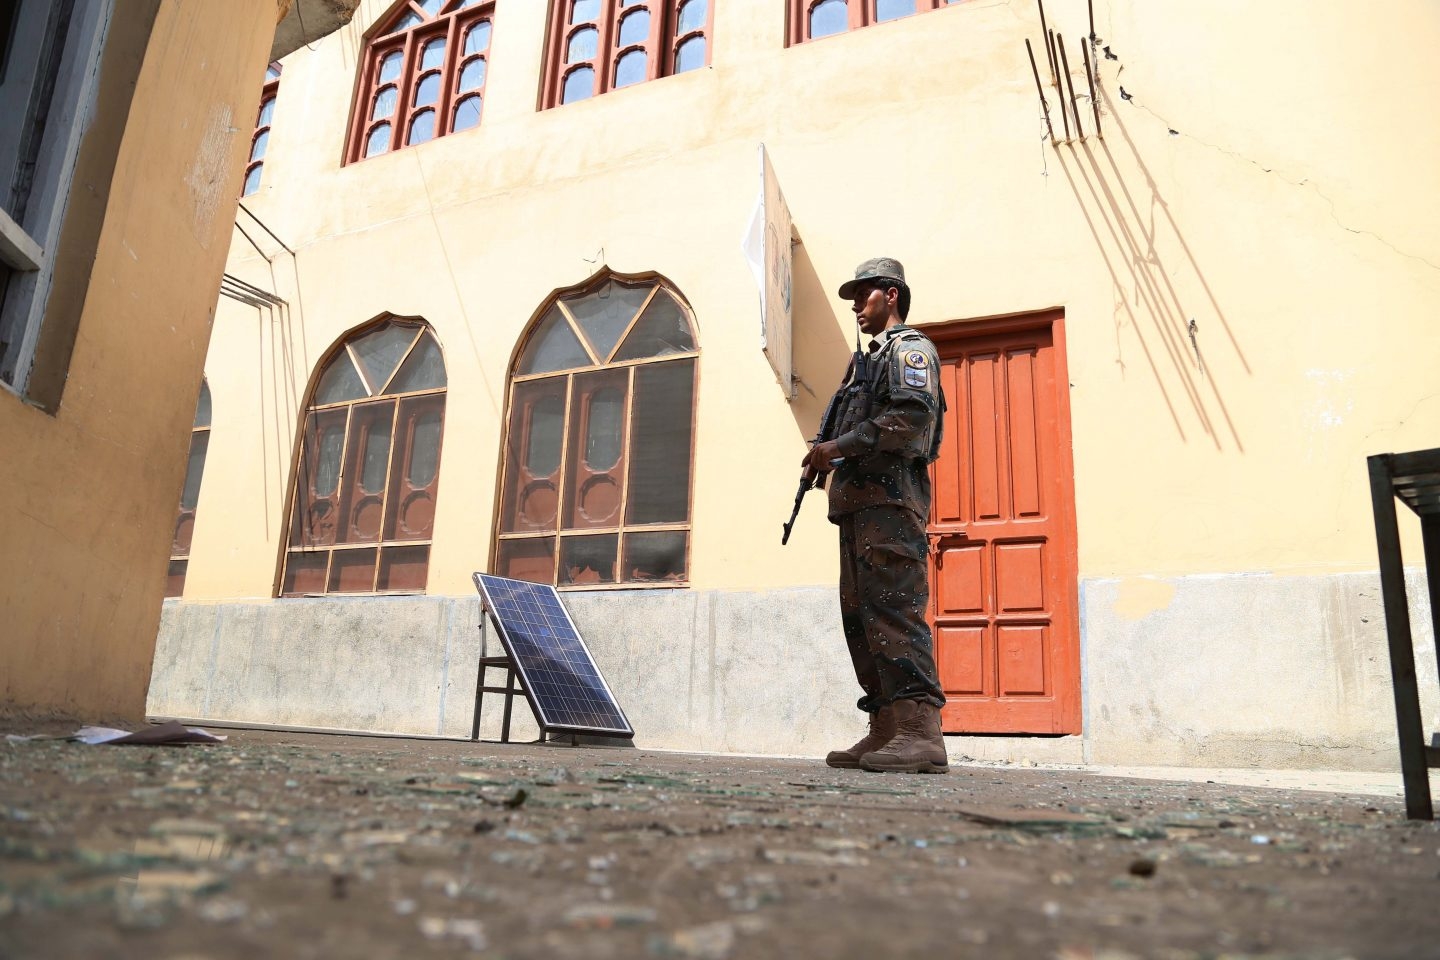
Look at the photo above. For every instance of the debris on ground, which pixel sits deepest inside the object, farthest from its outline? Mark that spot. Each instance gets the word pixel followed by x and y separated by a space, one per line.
pixel 307 845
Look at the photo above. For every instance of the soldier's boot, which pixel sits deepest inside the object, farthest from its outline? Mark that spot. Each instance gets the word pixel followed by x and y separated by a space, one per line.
pixel 917 746
pixel 882 728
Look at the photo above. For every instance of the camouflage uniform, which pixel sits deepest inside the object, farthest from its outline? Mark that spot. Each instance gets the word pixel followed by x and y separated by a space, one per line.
pixel 880 499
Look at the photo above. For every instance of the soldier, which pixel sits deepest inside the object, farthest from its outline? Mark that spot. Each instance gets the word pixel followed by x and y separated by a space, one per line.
pixel 888 434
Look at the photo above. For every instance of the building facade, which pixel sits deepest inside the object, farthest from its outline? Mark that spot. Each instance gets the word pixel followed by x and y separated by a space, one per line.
pixel 119 168
pixel 493 310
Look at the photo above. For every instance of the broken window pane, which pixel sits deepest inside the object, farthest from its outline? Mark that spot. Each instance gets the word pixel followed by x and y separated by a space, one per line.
pixel 661 330
pixel 655 556
pixel 588 559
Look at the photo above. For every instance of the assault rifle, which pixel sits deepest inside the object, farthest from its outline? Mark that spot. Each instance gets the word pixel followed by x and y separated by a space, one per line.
pixel 855 378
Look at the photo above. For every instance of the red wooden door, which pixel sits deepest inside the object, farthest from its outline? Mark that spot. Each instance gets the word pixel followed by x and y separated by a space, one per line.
pixel 1002 533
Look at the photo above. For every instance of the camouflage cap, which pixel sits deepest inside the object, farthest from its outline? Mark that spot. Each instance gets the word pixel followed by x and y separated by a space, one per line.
pixel 879 268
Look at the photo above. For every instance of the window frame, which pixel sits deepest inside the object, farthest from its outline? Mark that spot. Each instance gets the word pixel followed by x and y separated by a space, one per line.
pixel 661 45
pixel 175 585
pixel 304 466
pixel 268 95
pixel 571 423
pixel 860 14
pixel 452 23
pixel 29 242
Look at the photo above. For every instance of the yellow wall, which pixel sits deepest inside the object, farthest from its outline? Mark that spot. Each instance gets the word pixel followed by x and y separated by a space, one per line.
pixel 90 493
pixel 1271 179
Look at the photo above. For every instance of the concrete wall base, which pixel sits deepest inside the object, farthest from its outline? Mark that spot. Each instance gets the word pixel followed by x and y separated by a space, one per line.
pixel 1237 671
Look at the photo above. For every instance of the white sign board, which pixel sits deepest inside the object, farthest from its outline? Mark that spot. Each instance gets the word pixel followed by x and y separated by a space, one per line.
pixel 767 250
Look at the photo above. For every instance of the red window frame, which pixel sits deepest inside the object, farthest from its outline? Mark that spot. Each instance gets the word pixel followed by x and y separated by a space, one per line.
pixel 450 21
pixel 268 95
pixel 360 519
pixel 859 13
pixel 654 432
pixel 661 44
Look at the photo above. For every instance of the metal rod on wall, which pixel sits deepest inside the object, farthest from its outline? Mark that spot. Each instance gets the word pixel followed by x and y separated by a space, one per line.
pixel 1065 61
pixel 266 229
pixel 1064 117
pixel 254 290
pixel 244 233
pixel 1094 101
pixel 1049 52
pixel 1040 89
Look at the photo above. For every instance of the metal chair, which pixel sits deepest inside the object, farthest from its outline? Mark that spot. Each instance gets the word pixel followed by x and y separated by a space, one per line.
pixel 1414 479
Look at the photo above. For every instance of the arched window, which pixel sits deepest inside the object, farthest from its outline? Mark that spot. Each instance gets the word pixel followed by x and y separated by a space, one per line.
pixel 260 140
pixel 601 45
pixel 598 448
pixel 813 19
pixel 422 76
pixel 363 508
pixel 189 495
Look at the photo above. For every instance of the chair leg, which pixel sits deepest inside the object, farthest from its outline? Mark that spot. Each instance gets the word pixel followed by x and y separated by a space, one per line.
pixel 509 701
pixel 1414 766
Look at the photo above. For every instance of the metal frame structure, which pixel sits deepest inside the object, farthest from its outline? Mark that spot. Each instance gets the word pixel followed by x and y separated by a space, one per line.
pixel 1414 479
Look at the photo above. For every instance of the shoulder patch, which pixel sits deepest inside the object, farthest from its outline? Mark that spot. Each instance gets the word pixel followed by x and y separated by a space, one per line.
pixel 916 372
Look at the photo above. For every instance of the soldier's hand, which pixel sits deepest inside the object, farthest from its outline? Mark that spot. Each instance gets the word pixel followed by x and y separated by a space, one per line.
pixel 820 455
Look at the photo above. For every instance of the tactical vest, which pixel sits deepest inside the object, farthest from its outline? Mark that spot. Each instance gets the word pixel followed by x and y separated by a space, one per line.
pixel 867 387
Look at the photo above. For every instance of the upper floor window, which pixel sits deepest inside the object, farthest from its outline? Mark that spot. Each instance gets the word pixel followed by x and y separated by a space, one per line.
pixel 600 45
pixel 189 495
pixel 813 19
pixel 422 75
pixel 363 510
pixel 260 140
pixel 598 448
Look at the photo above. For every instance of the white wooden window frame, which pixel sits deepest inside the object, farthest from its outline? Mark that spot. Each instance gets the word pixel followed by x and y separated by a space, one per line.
pixel 27 247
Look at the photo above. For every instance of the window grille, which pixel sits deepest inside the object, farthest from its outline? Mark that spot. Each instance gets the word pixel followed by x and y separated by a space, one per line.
pixel 422 75
pixel 597 46
pixel 814 19
pixel 363 507
pixel 260 140
pixel 599 441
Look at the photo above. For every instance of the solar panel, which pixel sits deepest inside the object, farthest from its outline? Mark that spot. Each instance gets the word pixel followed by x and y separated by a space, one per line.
pixel 562 682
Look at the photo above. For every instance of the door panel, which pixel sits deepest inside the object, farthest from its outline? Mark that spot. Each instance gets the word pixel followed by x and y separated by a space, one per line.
pixel 1003 569
pixel 962 665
